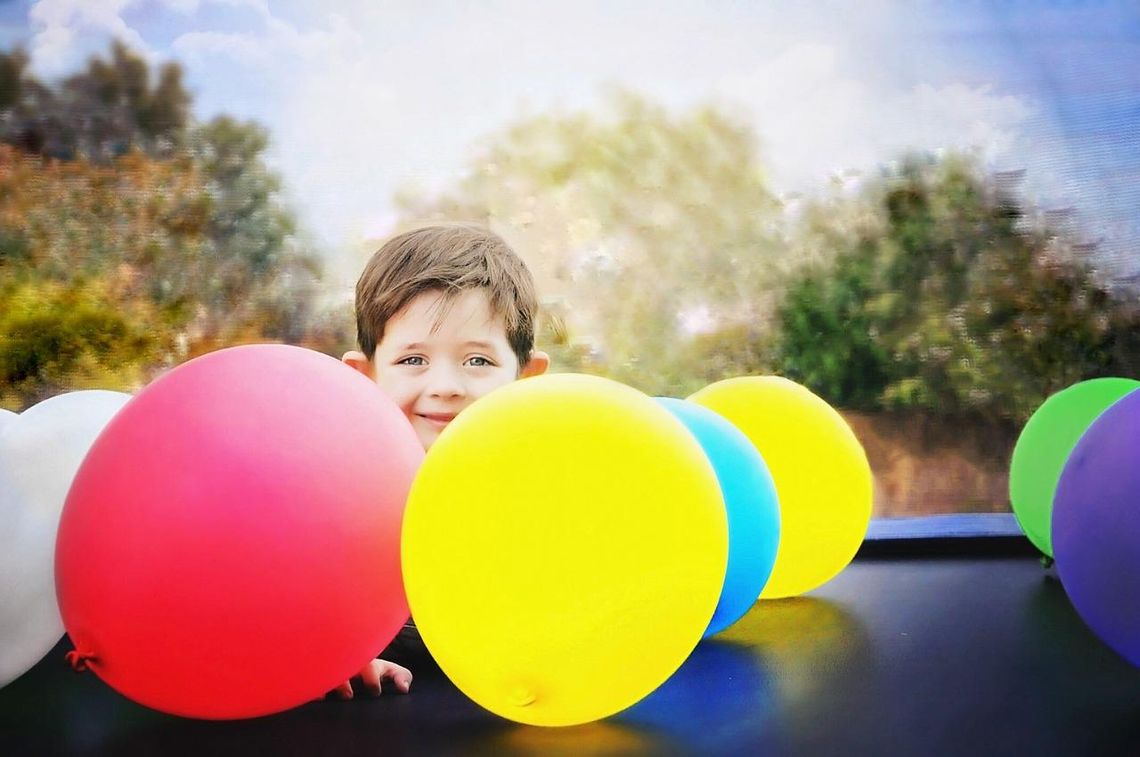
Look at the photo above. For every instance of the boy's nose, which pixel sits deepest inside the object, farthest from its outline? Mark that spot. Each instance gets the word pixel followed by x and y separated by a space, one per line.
pixel 446 383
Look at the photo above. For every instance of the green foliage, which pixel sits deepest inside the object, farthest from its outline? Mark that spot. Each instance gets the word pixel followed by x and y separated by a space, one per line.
pixel 828 336
pixel 954 300
pixel 738 349
pixel 55 337
pixel 665 263
pixel 145 238
pixel 633 222
pixel 99 114
pixel 251 235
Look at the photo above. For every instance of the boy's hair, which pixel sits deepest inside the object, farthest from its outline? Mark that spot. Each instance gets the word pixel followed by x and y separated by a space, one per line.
pixel 453 258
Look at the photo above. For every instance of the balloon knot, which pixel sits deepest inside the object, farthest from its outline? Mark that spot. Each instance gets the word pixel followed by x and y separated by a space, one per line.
pixel 78 660
pixel 521 696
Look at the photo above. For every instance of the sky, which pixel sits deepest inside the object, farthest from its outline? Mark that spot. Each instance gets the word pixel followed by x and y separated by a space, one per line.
pixel 365 97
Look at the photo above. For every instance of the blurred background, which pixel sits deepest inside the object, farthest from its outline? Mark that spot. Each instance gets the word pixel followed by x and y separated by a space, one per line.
pixel 925 212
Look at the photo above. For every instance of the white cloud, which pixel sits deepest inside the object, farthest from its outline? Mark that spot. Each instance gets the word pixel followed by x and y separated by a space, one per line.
pixel 960 116
pixel 404 98
pixel 243 48
pixel 58 24
pixel 381 93
pixel 276 45
pixel 817 117
pixel 186 7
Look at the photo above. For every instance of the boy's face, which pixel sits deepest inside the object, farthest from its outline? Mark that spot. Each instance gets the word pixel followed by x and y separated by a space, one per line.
pixel 435 367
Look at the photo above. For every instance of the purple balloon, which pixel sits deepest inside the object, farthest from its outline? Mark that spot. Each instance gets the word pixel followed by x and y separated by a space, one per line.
pixel 1096 527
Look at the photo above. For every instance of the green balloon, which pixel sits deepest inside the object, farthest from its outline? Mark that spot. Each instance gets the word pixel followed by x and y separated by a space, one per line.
pixel 1044 446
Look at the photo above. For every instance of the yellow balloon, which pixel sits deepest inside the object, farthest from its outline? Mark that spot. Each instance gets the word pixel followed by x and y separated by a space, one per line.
pixel 564 547
pixel 823 480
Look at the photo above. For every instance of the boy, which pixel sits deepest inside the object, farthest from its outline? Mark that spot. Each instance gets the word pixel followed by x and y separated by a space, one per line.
pixel 444 315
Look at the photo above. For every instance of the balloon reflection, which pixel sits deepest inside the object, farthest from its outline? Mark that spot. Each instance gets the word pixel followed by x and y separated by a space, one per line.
pixel 720 699
pixel 807 645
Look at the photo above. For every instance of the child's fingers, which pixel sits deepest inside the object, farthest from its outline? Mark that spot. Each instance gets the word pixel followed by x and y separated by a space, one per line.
pixel 370 677
pixel 402 679
pixel 400 676
pixel 344 691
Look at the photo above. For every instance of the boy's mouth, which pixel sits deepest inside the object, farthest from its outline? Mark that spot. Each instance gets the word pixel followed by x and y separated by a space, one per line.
pixel 438 419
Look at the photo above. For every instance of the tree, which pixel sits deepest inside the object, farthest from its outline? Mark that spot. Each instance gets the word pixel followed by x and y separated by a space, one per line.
pixel 955 300
pixel 93 271
pixel 645 231
pixel 828 335
pixel 145 238
pixel 104 112
pixel 56 336
pixel 250 236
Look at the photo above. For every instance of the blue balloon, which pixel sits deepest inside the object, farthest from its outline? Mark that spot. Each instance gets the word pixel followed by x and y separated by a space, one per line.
pixel 1096 527
pixel 750 504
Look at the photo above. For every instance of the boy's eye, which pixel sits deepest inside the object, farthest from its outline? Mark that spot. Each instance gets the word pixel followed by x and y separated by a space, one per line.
pixel 479 362
pixel 411 360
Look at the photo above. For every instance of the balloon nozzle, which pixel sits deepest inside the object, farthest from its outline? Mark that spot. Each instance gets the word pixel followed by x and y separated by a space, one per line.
pixel 78 660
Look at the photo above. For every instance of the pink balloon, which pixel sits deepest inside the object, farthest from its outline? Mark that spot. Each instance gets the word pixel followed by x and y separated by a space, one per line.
pixel 231 544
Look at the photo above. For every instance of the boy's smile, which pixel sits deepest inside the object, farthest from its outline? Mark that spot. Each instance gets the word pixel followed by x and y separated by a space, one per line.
pixel 436 357
pixel 441 418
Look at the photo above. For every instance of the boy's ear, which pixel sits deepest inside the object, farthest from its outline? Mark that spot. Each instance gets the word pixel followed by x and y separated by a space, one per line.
pixel 536 366
pixel 356 359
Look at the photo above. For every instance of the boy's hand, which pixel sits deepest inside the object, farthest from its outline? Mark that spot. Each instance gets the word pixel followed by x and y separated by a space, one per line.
pixel 373 674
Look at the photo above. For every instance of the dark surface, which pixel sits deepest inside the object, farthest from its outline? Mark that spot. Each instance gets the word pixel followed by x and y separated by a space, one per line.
pixel 905 652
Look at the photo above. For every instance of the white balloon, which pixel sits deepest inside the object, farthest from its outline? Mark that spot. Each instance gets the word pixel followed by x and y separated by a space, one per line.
pixel 6 417
pixel 40 452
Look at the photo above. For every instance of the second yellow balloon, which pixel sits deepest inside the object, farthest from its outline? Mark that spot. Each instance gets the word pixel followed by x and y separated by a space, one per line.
pixel 823 480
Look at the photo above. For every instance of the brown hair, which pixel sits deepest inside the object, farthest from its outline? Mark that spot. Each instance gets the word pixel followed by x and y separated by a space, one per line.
pixel 453 258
